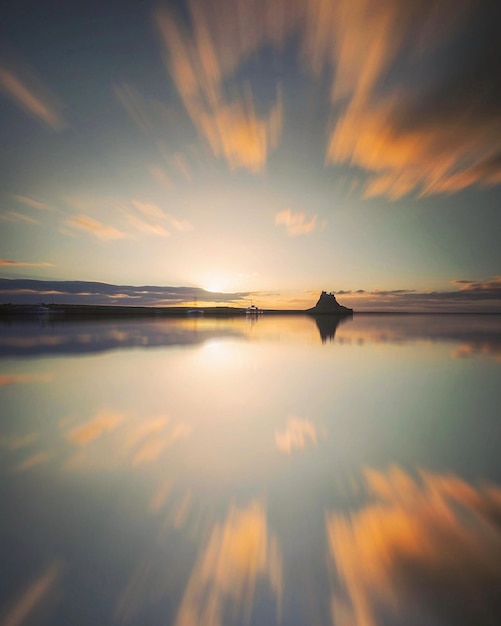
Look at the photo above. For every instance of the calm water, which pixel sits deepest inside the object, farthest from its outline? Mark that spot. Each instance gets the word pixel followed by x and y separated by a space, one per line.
pixel 280 470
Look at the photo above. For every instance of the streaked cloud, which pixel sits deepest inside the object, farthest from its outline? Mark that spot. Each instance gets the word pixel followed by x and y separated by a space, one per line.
pixel 199 62
pixel 36 459
pixel 34 204
pixel 432 544
pixel 149 209
pixel 298 434
pixel 465 295
pixel 182 226
pixel 15 216
pixel 147 227
pixel 239 554
pixel 17 442
pixel 8 263
pixel 94 227
pixel 30 600
pixel 31 95
pixel 295 223
pixel 28 291
pixel 440 134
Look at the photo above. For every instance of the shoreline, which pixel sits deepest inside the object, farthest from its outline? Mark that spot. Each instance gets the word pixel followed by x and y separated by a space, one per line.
pixel 63 312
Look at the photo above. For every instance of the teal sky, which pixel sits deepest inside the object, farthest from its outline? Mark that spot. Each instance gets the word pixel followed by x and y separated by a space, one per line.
pixel 268 150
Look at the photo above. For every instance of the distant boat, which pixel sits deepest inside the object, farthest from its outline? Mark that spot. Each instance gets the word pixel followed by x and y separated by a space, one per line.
pixel 252 310
pixel 195 313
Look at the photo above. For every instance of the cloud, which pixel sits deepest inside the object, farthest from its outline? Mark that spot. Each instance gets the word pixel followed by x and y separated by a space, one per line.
pixel 7 263
pixel 86 292
pixel 436 134
pixel 94 227
pixel 148 227
pixel 239 553
pixel 182 226
pixel 29 94
pixel 33 461
pixel 149 209
pixel 34 204
pixel 295 223
pixel 154 214
pixel 201 60
pixel 428 550
pixel 14 216
pixel 34 595
pixel 297 435
pixel 468 296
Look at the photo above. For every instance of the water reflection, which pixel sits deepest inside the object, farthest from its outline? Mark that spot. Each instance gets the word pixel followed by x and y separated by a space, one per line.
pixel 210 472
pixel 474 335
pixel 239 553
pixel 424 550
pixel 327 326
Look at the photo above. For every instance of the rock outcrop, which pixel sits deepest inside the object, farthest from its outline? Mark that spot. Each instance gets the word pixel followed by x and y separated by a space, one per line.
pixel 327 304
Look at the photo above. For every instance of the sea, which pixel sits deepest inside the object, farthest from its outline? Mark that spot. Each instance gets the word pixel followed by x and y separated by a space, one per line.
pixel 258 470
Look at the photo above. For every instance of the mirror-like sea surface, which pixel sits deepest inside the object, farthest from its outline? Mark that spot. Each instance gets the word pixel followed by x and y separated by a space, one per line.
pixel 279 470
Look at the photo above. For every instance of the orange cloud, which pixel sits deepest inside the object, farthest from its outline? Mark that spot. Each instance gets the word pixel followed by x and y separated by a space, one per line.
pixel 295 223
pixel 433 544
pixel 34 204
pixel 239 553
pixel 94 227
pixel 29 94
pixel 147 227
pixel 15 216
pixel 434 140
pixel 8 263
pixel 33 596
pixel 33 461
pixel 199 62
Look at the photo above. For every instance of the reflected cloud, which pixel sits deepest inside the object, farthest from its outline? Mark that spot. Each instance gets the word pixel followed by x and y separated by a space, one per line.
pixel 161 496
pixel 427 549
pixel 16 379
pixel 239 553
pixel 130 440
pixel 297 435
pixel 181 511
pixel 35 595
pixel 105 421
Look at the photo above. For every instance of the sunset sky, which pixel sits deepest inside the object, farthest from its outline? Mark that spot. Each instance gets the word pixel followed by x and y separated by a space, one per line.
pixel 260 149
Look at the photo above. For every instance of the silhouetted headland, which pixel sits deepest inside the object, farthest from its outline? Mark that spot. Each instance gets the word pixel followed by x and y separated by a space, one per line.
pixel 328 305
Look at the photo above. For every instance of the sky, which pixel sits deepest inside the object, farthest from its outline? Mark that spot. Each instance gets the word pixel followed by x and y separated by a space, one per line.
pixel 228 151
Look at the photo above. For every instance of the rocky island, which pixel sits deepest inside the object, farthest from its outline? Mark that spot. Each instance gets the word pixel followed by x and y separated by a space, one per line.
pixel 328 305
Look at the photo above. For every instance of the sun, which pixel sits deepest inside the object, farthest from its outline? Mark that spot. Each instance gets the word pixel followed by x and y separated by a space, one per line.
pixel 215 283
